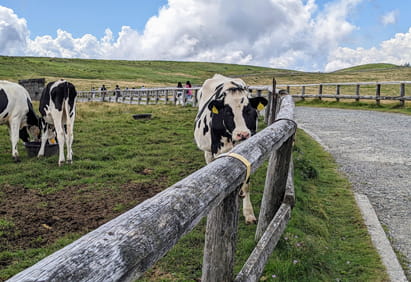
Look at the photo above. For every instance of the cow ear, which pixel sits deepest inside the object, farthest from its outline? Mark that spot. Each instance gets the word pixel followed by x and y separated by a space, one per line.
pixel 258 102
pixel 215 106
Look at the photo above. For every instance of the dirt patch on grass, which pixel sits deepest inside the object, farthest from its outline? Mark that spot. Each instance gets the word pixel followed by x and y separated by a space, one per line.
pixel 31 219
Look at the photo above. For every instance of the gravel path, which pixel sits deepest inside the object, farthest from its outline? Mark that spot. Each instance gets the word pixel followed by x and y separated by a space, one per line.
pixel 374 150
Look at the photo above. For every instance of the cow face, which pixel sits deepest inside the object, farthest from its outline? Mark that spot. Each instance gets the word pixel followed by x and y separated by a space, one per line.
pixel 235 117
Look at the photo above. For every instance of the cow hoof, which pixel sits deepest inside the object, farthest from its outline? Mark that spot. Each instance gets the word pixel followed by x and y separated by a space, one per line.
pixel 250 220
pixel 61 163
pixel 69 161
pixel 16 159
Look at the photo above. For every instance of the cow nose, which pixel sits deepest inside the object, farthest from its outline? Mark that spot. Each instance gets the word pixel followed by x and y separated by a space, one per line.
pixel 243 135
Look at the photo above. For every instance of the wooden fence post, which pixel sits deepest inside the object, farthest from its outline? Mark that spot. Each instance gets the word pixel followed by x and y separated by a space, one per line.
pixel 273 103
pixel 357 93
pixel 320 91
pixel 157 96
pixel 302 92
pixel 275 184
pixel 378 94
pixel 337 92
pixel 220 240
pixel 402 94
pixel 147 97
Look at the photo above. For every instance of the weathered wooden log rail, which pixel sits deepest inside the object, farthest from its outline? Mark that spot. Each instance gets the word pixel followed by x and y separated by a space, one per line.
pixel 125 247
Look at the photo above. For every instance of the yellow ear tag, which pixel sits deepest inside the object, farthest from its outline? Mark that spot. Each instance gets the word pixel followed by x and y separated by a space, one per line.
pixel 260 106
pixel 214 110
pixel 53 141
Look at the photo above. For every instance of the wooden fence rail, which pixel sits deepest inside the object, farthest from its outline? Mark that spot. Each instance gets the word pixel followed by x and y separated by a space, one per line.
pixel 394 90
pixel 378 91
pixel 125 247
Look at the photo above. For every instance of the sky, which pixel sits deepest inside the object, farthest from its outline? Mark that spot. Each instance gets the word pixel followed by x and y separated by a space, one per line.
pixel 306 35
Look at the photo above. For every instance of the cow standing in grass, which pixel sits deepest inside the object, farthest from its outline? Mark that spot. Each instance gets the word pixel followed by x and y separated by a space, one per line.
pixel 17 112
pixel 226 117
pixel 58 110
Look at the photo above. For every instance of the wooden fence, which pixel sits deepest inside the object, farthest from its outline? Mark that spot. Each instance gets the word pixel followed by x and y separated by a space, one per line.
pixel 385 90
pixel 125 247
pixel 378 91
pixel 146 96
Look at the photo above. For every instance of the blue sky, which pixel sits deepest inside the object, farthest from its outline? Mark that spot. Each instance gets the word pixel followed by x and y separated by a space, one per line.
pixel 309 35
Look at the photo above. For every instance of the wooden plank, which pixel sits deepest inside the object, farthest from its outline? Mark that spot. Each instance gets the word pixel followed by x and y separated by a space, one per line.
pixel 378 94
pixel 320 91
pixel 221 240
pixel 274 104
pixel 357 93
pixel 275 186
pixel 125 247
pixel 289 197
pixel 254 267
pixel 402 94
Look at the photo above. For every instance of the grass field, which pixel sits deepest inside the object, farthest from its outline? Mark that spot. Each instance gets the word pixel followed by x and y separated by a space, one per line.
pixel 119 162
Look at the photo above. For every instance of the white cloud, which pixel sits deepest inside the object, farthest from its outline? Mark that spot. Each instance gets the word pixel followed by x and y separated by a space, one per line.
pixel 389 18
pixel 13 32
pixel 294 34
pixel 396 51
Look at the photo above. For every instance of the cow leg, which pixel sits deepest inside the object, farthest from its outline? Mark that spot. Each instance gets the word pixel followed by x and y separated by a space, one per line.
pixel 69 137
pixel 248 211
pixel 57 118
pixel 14 138
pixel 44 135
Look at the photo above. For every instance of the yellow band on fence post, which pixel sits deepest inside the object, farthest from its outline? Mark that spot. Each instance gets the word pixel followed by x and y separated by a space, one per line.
pixel 243 160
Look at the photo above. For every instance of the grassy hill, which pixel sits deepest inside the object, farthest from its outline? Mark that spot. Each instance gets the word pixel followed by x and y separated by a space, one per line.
pixel 86 73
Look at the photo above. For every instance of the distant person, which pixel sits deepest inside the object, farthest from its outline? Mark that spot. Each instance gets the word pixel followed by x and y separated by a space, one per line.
pixel 189 92
pixel 103 91
pixel 179 96
pixel 117 92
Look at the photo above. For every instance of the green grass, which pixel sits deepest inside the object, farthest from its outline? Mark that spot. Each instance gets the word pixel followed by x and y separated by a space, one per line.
pixel 139 72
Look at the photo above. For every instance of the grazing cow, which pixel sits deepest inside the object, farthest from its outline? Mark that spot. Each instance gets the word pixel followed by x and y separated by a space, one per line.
pixel 226 116
pixel 58 110
pixel 17 112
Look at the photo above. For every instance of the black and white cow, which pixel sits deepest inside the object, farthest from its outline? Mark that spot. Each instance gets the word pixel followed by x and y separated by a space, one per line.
pixel 17 112
pixel 226 116
pixel 58 110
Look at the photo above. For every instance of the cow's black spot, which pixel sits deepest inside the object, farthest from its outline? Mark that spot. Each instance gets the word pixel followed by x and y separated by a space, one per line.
pixel 45 99
pixel 205 130
pixel 24 135
pixel 222 126
pixel 31 117
pixel 4 101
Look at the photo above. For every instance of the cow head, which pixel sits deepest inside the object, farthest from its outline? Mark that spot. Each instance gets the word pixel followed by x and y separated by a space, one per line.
pixel 48 129
pixel 235 116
